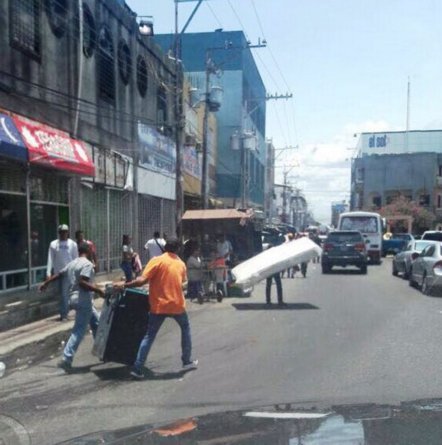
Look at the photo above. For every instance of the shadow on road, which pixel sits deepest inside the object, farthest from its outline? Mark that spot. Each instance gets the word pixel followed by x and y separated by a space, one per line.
pixel 123 374
pixel 273 307
pixel 344 272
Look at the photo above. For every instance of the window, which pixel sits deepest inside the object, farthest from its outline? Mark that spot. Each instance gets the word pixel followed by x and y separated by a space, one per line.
pixel 57 12
pixel 440 170
pixel 377 201
pixel 424 200
pixel 141 76
pixel 25 26
pixel 106 75
pixel 161 105
pixel 124 62
pixel 89 32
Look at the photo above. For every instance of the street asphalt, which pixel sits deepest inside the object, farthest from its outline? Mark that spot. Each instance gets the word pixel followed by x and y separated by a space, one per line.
pixel 342 338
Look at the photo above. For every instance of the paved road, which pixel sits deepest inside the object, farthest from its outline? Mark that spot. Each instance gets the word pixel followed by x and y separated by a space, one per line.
pixel 343 338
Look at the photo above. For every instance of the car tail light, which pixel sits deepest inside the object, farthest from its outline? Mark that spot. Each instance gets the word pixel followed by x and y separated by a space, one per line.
pixel 328 246
pixel 360 247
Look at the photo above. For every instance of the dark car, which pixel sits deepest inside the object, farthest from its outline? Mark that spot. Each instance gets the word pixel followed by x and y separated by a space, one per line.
pixel 344 248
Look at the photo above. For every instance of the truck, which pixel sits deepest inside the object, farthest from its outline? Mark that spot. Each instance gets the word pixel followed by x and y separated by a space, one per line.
pixel 396 243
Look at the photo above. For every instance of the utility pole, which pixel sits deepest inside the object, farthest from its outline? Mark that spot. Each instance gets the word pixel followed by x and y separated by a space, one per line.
pixel 244 152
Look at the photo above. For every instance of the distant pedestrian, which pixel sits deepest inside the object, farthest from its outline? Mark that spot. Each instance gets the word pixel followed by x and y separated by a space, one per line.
pixel 155 246
pixel 224 248
pixel 166 275
pixel 79 273
pixel 127 257
pixel 61 252
pixel 194 275
pixel 80 238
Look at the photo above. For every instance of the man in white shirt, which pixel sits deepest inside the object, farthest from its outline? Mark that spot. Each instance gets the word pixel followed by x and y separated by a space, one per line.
pixel 61 252
pixel 224 248
pixel 155 246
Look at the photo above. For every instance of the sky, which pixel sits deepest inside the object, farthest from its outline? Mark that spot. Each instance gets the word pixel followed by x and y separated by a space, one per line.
pixel 347 64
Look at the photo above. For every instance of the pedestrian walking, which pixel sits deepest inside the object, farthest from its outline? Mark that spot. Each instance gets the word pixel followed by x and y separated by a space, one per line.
pixel 128 255
pixel 277 279
pixel 166 275
pixel 61 252
pixel 155 246
pixel 80 239
pixel 194 275
pixel 79 273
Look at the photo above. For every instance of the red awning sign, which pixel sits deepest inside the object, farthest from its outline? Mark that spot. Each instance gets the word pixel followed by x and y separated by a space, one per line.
pixel 54 148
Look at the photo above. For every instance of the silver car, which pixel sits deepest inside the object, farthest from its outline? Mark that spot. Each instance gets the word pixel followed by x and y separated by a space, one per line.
pixel 402 261
pixel 426 269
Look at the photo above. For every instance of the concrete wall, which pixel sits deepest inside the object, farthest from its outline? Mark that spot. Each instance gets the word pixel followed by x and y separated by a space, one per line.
pixel 384 175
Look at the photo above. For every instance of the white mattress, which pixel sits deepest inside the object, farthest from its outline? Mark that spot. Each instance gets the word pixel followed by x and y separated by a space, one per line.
pixel 274 260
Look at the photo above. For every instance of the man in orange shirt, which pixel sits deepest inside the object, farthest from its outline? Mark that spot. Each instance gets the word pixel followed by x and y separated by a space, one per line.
pixel 166 275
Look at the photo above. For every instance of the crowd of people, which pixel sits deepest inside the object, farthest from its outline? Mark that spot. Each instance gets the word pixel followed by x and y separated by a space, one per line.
pixel 73 264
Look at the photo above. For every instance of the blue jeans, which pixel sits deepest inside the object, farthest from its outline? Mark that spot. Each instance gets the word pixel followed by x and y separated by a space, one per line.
pixel 154 325
pixel 127 269
pixel 86 315
pixel 63 289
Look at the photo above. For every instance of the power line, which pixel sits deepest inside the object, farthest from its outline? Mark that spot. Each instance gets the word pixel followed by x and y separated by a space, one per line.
pixel 213 13
pixel 238 18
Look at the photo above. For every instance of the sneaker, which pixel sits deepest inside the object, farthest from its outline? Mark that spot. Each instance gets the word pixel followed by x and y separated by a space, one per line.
pixel 190 366
pixel 219 295
pixel 137 373
pixel 66 366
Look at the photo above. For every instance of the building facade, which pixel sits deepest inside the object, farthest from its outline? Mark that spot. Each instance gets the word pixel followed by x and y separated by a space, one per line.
pixel 337 208
pixel 241 161
pixel 89 103
pixel 393 164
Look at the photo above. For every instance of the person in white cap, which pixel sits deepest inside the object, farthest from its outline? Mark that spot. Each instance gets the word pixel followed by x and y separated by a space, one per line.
pixel 61 252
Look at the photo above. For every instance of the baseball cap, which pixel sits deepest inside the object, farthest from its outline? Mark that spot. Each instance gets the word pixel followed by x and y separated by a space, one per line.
pixel 63 228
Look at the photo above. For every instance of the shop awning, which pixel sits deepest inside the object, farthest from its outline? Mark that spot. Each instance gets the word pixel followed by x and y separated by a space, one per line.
pixel 54 148
pixel 11 143
pixel 215 214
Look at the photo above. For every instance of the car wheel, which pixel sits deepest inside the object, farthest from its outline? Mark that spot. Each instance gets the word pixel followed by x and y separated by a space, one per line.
pixel 394 270
pixel 425 289
pixel 406 274
pixel 364 269
pixel 326 268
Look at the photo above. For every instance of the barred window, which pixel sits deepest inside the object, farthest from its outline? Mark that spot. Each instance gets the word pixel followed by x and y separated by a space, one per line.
pixel 25 26
pixel 141 76
pixel 161 104
pixel 57 12
pixel 106 75
pixel 124 62
pixel 89 32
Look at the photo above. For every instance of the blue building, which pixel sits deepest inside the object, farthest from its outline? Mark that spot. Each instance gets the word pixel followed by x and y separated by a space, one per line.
pixel 241 117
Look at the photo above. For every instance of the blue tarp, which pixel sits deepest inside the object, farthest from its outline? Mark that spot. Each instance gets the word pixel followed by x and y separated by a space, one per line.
pixel 11 143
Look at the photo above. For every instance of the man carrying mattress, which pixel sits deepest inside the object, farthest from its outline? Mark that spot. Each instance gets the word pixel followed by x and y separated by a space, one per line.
pixel 277 279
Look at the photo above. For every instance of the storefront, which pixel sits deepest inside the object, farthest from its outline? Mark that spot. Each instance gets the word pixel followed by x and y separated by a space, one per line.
pixel 36 164
pixel 107 205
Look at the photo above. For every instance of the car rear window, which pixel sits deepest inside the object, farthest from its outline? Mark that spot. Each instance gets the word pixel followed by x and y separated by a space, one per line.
pixel 435 236
pixel 345 238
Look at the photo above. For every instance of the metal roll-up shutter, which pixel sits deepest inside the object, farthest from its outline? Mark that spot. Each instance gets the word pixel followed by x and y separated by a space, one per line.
pixel 93 217
pixel 169 217
pixel 149 220
pixel 120 223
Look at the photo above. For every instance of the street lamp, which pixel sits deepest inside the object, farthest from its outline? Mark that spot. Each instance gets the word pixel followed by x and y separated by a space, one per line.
pixel 145 27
